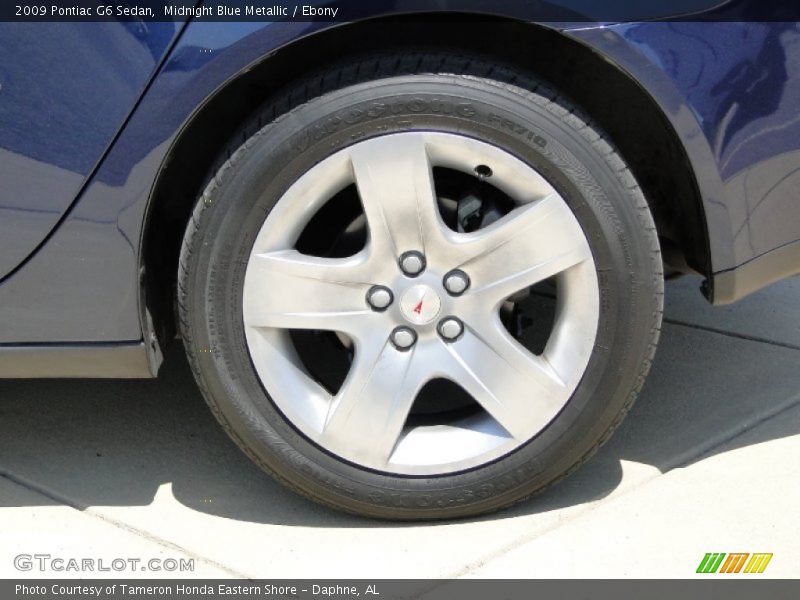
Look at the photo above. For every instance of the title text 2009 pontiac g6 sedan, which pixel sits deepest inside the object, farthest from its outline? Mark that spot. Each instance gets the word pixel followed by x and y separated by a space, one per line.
pixel 417 263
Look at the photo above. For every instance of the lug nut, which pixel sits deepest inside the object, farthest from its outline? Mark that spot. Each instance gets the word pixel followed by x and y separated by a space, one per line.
pixel 412 263
pixel 450 328
pixel 403 337
pixel 456 282
pixel 379 297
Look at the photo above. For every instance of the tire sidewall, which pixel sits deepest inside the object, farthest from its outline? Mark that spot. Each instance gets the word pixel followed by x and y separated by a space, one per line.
pixel 525 124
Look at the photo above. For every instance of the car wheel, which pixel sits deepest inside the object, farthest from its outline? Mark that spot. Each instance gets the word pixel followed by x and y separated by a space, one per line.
pixel 420 287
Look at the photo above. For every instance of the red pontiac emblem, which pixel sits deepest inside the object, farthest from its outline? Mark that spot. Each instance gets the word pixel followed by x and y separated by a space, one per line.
pixel 420 304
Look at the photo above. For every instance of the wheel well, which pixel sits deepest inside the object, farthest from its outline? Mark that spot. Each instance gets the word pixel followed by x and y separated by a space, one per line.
pixel 640 131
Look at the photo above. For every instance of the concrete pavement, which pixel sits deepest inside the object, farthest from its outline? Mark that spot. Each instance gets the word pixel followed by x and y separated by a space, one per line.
pixel 704 463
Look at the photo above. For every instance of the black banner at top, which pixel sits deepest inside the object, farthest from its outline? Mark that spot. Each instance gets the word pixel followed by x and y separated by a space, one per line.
pixel 605 11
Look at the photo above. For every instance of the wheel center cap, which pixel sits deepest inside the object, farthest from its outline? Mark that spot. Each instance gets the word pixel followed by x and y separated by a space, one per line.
pixel 420 304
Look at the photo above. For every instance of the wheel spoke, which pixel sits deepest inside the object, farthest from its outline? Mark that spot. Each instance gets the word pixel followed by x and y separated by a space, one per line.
pixel 529 245
pixel 395 183
pixel 367 415
pixel 518 389
pixel 286 289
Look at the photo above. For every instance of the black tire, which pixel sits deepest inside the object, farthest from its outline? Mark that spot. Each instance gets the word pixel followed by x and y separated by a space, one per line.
pixel 386 94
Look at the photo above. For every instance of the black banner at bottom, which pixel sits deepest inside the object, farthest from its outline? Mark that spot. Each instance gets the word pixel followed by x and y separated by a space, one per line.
pixel 381 589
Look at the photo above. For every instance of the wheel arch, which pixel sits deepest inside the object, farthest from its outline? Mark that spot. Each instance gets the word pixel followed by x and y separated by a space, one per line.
pixel 653 150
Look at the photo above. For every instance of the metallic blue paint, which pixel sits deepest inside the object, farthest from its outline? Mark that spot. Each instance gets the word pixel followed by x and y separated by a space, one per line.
pixel 66 91
pixel 730 90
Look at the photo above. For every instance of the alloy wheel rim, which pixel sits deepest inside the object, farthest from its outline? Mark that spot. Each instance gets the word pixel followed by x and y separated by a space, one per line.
pixel 365 421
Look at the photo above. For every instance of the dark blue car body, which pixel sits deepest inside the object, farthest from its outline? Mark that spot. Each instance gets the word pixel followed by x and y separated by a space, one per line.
pixel 102 122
